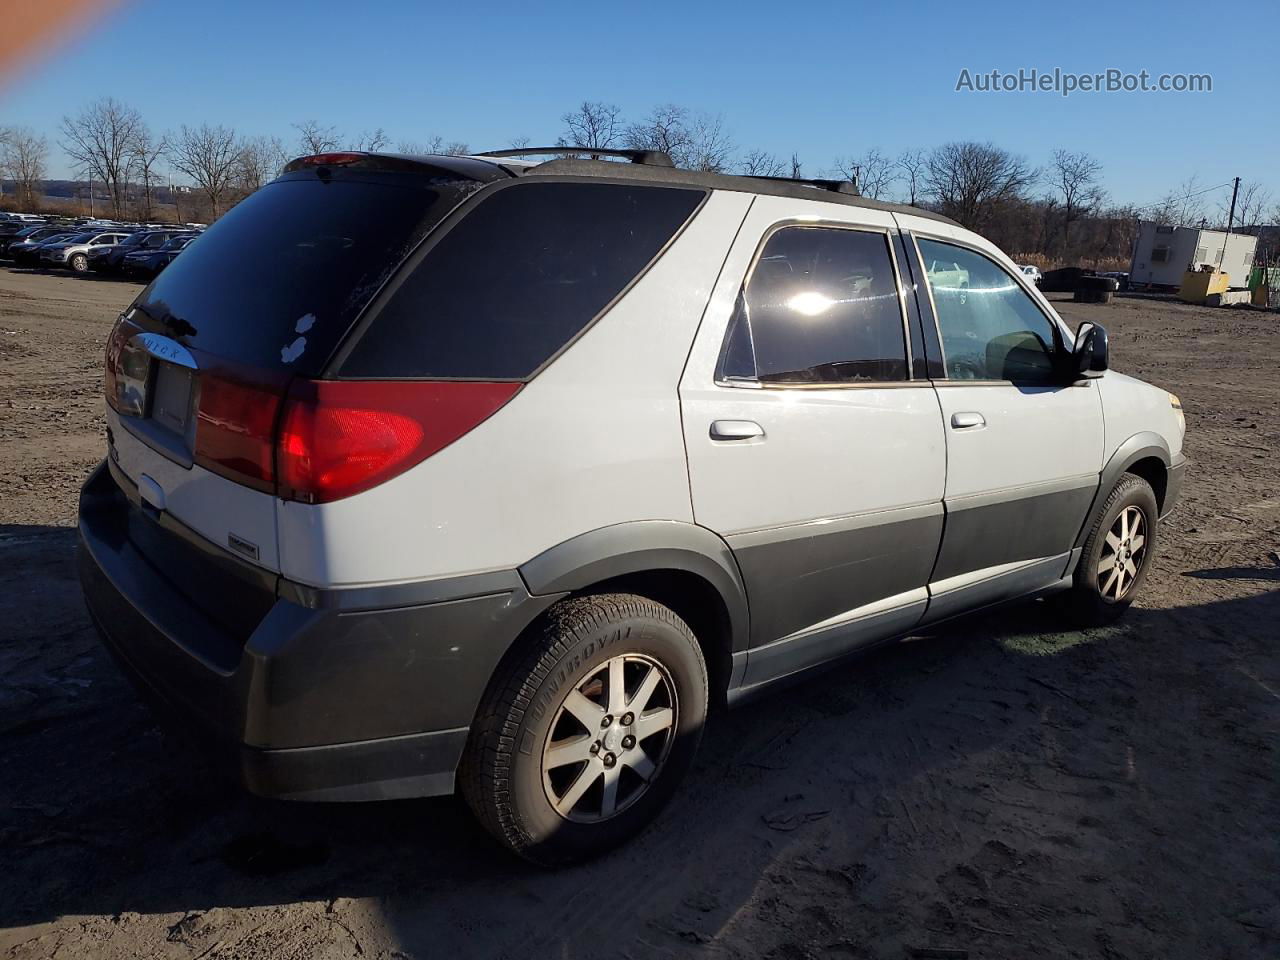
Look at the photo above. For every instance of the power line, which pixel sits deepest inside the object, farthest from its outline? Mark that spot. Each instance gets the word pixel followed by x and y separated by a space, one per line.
pixel 1161 203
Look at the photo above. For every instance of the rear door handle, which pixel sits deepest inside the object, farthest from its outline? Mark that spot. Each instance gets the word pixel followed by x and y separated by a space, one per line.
pixel 967 420
pixel 735 430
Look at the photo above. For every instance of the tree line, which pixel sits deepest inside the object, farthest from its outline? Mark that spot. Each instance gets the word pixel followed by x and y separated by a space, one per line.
pixel 1052 214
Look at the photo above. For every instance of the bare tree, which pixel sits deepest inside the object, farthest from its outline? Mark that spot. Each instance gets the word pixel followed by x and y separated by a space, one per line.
pixel 665 129
pixel 315 137
pixel 911 166
pixel 457 148
pixel 430 146
pixel 693 141
pixel 261 160
pixel 1075 177
pixel 372 142
pixel 593 124
pixel 761 163
pixel 710 146
pixel 871 173
pixel 969 181
pixel 23 156
pixel 210 156
pixel 146 149
pixel 99 142
pixel 796 166
pixel 1251 202
pixel 1183 206
pixel 518 143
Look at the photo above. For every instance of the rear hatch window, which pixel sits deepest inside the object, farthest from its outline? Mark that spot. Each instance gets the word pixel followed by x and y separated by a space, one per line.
pixel 277 281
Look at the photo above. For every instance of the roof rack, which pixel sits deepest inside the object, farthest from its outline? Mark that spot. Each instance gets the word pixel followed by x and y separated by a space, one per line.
pixel 652 158
pixel 834 186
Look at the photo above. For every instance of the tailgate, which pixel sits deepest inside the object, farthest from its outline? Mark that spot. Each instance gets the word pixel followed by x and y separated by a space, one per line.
pixel 151 441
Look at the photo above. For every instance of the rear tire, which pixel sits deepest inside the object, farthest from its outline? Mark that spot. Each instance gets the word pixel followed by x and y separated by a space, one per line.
pixel 587 729
pixel 1116 556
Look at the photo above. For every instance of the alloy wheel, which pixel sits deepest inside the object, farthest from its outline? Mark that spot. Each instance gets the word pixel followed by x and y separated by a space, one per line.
pixel 609 739
pixel 1123 553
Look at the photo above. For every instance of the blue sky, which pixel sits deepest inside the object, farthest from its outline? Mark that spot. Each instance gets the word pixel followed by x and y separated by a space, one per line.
pixel 820 79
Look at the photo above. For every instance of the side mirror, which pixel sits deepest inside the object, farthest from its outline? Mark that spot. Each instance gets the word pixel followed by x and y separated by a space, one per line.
pixel 1090 357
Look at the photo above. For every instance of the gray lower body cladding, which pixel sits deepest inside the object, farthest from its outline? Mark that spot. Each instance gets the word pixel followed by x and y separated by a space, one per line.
pixel 343 694
pixel 1010 526
pixel 819 591
pixel 801 575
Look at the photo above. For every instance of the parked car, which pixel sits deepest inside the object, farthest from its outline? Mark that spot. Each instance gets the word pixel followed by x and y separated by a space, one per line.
pixel 1032 273
pixel 109 259
pixel 11 228
pixel 35 234
pixel 24 218
pixel 146 263
pixel 27 253
pixel 440 472
pixel 74 253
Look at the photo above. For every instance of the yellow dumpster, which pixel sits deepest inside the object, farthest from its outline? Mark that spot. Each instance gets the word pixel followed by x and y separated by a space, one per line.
pixel 1198 284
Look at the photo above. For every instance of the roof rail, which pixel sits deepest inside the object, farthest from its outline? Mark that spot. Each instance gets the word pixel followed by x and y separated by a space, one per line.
pixel 652 158
pixel 834 186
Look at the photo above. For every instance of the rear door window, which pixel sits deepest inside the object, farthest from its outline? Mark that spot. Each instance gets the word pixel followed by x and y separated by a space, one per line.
pixel 821 305
pixel 517 278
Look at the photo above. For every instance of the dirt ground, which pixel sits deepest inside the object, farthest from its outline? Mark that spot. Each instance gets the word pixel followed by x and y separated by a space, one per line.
pixel 1003 789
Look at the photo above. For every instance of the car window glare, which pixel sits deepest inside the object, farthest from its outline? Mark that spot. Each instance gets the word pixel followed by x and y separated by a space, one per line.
pixel 820 305
pixel 990 327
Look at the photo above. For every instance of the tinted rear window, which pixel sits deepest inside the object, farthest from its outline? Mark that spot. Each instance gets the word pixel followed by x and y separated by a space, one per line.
pixel 278 280
pixel 517 278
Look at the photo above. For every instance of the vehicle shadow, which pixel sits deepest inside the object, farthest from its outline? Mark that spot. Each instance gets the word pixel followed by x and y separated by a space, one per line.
pixel 835 790
pixel 1236 573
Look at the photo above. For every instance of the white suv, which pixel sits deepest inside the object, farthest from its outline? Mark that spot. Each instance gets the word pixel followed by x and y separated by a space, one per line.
pixel 445 471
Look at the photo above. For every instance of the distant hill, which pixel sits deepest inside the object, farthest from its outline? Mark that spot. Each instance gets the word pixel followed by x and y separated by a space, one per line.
pixel 79 189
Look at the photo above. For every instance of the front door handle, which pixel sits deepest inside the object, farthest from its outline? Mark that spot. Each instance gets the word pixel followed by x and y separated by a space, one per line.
pixel 736 430
pixel 967 420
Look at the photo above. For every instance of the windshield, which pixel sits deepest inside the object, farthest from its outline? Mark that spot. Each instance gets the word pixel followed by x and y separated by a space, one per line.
pixel 277 282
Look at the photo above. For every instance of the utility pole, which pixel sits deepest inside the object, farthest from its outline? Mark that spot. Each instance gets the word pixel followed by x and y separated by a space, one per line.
pixel 1231 217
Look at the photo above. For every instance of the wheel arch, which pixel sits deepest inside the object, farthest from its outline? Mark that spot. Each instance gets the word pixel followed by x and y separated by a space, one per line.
pixel 680 565
pixel 1145 454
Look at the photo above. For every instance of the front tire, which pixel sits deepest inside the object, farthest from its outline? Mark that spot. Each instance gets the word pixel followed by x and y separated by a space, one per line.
pixel 588 729
pixel 1116 556
pixel 79 263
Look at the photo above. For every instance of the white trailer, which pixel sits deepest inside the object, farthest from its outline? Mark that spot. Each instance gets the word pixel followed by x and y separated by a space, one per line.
pixel 1162 254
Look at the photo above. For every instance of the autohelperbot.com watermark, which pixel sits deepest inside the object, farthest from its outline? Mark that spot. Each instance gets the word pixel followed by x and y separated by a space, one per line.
pixel 1065 83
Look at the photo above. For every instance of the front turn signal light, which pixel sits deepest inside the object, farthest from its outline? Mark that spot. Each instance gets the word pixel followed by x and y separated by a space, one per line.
pixel 1177 408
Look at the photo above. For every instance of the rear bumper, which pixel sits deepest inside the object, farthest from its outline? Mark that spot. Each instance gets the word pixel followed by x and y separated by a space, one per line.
pixel 334 695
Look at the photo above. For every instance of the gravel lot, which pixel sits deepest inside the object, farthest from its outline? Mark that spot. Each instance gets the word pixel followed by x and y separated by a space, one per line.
pixel 1003 788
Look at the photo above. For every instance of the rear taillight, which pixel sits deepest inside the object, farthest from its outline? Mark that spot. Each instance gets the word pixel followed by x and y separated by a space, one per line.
pixel 115 346
pixel 322 440
pixel 338 438
pixel 124 372
pixel 236 428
